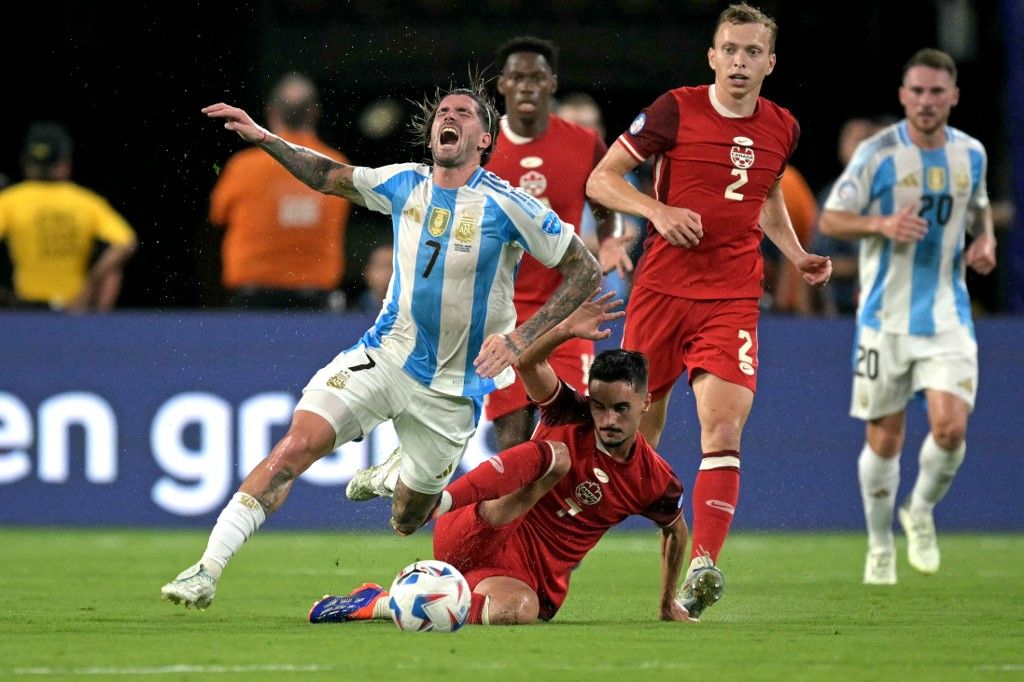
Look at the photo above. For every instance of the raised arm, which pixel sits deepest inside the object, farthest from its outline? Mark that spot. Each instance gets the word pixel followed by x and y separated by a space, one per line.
pixel 580 277
pixel 585 322
pixel 316 170
pixel 779 228
pixel 673 547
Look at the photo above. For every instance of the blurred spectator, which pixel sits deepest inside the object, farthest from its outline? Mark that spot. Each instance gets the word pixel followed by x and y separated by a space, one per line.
pixel 377 275
pixel 52 227
pixel 790 294
pixel 840 296
pixel 285 243
pixel 581 109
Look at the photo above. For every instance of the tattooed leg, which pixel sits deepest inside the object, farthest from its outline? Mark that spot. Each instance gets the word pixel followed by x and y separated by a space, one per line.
pixel 309 438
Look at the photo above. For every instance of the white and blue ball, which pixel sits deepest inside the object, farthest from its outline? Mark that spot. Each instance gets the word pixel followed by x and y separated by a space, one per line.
pixel 430 596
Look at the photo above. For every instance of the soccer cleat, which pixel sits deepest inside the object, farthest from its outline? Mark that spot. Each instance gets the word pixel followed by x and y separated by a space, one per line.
pixel 193 587
pixel 371 482
pixel 880 567
pixel 922 545
pixel 357 605
pixel 702 588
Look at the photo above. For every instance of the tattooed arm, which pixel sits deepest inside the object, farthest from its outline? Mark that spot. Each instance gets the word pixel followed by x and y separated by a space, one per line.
pixel 316 170
pixel 580 276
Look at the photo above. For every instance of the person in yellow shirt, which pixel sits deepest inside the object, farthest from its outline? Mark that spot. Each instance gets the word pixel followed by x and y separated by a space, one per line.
pixel 51 226
pixel 284 242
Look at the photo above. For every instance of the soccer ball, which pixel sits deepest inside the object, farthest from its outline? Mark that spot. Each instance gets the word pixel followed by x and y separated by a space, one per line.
pixel 430 595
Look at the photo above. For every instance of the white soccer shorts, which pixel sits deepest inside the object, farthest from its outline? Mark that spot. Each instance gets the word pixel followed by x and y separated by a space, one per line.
pixel 890 368
pixel 432 427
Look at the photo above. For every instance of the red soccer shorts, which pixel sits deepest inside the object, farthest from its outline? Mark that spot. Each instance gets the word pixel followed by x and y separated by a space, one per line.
pixel 571 362
pixel 681 334
pixel 479 550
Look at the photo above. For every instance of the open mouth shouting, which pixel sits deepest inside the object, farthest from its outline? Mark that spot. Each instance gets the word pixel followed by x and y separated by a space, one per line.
pixel 448 136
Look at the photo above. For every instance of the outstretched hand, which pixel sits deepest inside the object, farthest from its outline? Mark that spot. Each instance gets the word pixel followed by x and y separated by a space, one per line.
pixel 585 322
pixel 674 611
pixel 237 120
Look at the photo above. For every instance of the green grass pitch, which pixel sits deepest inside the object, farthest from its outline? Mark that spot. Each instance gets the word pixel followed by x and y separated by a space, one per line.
pixel 78 604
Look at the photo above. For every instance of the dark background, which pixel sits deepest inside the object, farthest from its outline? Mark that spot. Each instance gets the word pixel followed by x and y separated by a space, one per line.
pixel 129 83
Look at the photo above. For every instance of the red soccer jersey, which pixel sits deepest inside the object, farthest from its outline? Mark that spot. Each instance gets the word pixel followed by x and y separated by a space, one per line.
pixel 554 168
pixel 598 492
pixel 720 167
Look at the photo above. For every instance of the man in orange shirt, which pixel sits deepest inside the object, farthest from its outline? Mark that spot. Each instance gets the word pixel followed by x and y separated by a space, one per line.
pixel 284 244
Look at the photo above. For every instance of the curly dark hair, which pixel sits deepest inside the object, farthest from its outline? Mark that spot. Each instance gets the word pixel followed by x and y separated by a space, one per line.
pixel 532 45
pixel 487 112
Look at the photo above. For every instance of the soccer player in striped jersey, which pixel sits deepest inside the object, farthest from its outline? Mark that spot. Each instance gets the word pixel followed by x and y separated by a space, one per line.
pixel 446 335
pixel 719 152
pixel 909 195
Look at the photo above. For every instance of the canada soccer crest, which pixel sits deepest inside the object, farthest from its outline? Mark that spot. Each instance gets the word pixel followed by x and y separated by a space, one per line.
pixel 742 157
pixel 533 183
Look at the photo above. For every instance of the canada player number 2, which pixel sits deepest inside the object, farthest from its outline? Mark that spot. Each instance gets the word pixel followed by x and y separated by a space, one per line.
pixel 730 191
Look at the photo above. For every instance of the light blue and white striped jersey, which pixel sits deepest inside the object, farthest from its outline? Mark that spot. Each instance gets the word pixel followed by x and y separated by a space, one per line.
pixel 914 288
pixel 456 256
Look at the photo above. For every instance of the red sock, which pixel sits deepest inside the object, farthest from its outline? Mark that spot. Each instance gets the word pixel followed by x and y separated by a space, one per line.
pixel 502 474
pixel 476 609
pixel 715 494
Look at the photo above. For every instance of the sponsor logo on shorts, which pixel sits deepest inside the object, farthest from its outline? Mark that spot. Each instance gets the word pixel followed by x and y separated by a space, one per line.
pixel 588 493
pixel 447 472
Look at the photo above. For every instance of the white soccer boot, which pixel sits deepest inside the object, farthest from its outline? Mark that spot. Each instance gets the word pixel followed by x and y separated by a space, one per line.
pixel 702 588
pixel 880 566
pixel 922 544
pixel 373 481
pixel 193 587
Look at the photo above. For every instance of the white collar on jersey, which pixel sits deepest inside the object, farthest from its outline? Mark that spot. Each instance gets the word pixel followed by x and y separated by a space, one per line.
pixel 511 136
pixel 718 105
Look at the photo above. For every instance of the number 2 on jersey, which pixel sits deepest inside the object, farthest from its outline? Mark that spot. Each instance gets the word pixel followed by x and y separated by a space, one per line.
pixel 730 191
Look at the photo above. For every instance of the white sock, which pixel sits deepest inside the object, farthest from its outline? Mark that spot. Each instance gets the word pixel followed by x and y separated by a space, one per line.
pixel 879 478
pixel 382 609
pixel 240 518
pixel 937 467
pixel 444 505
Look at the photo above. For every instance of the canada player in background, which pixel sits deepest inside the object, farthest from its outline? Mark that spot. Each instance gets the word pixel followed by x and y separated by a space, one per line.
pixel 550 159
pixel 719 151
pixel 519 523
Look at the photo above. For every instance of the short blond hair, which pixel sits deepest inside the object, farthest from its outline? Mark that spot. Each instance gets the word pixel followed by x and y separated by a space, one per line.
pixel 742 13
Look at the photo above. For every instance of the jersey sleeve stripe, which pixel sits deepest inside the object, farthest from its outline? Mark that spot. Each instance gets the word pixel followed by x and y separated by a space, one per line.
pixel 630 148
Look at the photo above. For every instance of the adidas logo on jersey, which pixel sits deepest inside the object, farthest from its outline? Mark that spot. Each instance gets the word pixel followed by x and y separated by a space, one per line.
pixel 909 181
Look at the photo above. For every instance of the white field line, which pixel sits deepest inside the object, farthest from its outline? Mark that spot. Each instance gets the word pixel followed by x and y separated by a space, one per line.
pixel 174 670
